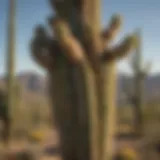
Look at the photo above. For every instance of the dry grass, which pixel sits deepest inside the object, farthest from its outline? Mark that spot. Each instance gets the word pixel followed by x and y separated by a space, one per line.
pixel 23 118
pixel 33 102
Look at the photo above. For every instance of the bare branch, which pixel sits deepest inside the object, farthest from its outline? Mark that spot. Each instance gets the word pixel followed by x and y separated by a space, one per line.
pixel 121 50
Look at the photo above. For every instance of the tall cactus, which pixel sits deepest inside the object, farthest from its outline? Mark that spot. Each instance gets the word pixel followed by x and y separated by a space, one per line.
pixel 4 116
pixel 140 73
pixel 11 56
pixel 17 107
pixel 81 69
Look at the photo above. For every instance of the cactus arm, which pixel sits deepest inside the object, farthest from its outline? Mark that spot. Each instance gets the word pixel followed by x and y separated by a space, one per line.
pixel 41 48
pixel 109 91
pixel 137 57
pixel 56 5
pixel 37 55
pixel 110 32
pixel 61 7
pixel 120 50
pixel 67 41
pixel 90 23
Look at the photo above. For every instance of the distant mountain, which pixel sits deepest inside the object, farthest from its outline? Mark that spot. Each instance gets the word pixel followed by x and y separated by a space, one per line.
pixel 34 82
pixel 151 86
pixel 30 82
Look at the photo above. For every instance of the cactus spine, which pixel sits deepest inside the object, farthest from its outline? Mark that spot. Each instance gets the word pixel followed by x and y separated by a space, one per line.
pixel 139 76
pixel 11 57
pixel 81 69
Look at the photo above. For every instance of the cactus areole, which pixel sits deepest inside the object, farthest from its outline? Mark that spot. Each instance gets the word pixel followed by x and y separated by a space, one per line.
pixel 81 68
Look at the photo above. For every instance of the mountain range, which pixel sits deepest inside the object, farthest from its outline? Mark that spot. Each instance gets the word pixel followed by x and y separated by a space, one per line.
pixel 33 82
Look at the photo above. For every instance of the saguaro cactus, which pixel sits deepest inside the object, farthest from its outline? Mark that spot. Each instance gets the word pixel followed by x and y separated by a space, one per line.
pixel 4 116
pixel 81 69
pixel 140 73
pixel 17 107
pixel 11 56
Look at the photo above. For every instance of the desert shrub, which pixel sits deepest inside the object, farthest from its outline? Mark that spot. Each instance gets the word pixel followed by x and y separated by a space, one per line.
pixel 126 154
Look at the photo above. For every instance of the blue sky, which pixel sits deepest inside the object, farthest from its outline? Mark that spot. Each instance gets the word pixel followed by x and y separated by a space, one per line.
pixel 143 14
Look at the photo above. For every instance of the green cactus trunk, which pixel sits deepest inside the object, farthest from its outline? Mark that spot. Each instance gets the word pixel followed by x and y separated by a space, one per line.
pixel 16 112
pixel 11 57
pixel 110 110
pixel 82 91
pixel 76 92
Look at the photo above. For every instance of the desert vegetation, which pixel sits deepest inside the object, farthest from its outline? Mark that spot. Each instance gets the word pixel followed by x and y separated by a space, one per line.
pixel 76 116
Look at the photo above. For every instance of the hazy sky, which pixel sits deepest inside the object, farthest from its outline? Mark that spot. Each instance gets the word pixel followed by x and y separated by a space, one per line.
pixel 137 13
